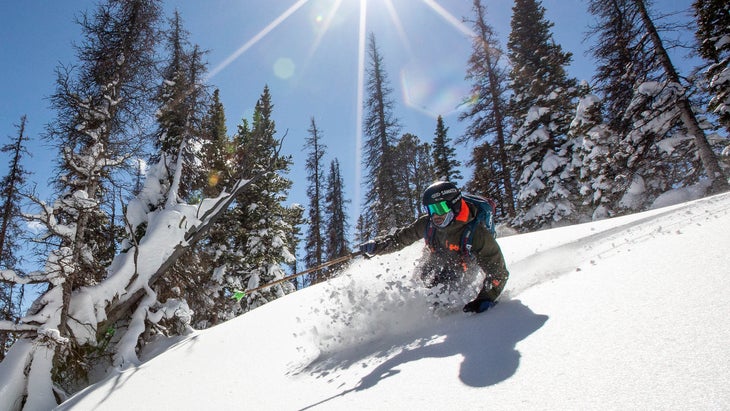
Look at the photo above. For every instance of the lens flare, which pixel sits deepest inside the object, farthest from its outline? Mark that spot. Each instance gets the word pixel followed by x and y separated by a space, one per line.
pixel 255 39
pixel 284 68
pixel 213 178
pixel 434 89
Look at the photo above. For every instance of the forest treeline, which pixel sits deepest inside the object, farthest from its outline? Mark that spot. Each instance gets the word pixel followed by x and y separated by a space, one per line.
pixel 161 215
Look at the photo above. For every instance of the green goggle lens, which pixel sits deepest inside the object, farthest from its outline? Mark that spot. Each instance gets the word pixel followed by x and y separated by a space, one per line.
pixel 442 207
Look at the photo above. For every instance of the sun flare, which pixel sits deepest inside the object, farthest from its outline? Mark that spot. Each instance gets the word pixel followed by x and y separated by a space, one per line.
pixel 420 91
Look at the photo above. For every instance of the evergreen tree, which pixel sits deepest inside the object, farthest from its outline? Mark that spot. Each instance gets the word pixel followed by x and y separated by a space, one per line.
pixel 414 173
pixel 181 143
pixel 622 62
pixel 713 36
pixel 101 104
pixel 362 233
pixel 265 223
pixel 625 64
pixel 314 245
pixel 687 116
pixel 94 132
pixel 211 303
pixel 181 100
pixel 10 230
pixel 542 105
pixel 383 206
pixel 486 177
pixel 217 151
pixel 592 163
pixel 639 79
pixel 336 226
pixel 445 164
pixel 295 219
pixel 487 112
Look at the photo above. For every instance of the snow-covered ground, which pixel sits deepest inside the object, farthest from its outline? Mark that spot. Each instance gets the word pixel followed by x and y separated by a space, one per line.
pixel 628 313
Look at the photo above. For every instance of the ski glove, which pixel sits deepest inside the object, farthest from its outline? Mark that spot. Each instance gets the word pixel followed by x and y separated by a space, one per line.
pixel 479 306
pixel 376 246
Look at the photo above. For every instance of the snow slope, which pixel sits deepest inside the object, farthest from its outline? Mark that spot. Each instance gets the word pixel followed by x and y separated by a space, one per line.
pixel 627 313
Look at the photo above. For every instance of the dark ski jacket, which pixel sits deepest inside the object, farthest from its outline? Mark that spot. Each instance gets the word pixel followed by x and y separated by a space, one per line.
pixel 484 251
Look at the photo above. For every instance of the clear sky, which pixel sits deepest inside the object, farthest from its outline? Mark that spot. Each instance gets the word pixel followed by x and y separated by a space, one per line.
pixel 307 51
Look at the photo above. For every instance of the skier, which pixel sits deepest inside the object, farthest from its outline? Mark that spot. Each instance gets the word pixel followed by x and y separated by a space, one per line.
pixel 446 230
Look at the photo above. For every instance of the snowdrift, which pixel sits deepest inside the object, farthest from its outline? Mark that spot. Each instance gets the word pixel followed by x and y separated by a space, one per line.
pixel 627 313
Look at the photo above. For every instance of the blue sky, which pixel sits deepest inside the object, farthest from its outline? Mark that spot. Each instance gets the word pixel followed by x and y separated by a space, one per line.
pixel 309 62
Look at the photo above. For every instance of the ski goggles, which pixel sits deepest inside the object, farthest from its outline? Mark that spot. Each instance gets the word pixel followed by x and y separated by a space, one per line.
pixel 440 208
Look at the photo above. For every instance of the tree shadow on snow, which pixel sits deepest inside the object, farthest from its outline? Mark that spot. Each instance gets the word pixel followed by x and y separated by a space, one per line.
pixel 487 342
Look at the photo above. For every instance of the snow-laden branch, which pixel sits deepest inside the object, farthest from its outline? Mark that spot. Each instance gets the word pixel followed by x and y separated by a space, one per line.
pixel 12 327
pixel 36 277
pixel 170 232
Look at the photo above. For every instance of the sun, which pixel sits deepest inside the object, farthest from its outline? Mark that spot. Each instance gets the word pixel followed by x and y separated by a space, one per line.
pixel 419 92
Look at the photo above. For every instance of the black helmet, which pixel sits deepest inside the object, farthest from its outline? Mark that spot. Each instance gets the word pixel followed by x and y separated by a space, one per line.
pixel 443 191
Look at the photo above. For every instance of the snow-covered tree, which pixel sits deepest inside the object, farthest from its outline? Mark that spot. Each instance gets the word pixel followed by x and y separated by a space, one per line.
pixel 115 318
pixel 213 303
pixel 593 163
pixel 689 120
pixel 265 222
pixel 487 112
pixel 662 143
pixel 713 36
pixel 181 141
pixel 542 106
pixel 100 106
pixel 181 100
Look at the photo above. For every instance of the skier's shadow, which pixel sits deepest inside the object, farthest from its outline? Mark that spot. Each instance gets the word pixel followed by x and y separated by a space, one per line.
pixel 488 347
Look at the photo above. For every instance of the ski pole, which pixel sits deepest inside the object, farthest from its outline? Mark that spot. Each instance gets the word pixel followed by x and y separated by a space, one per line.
pixel 238 294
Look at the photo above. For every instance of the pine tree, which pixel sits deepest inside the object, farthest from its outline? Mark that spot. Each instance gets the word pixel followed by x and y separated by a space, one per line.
pixel 217 151
pixel 713 36
pixel 362 233
pixel 208 298
pixel 262 238
pixel 445 164
pixel 414 173
pixel 10 230
pixel 488 115
pixel 622 62
pixel 686 113
pixel 181 143
pixel 96 115
pixel 336 226
pixel 181 101
pixel 314 245
pixel 625 64
pixel 486 177
pixel 593 163
pixel 100 104
pixel 383 206
pixel 542 106
pixel 640 82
